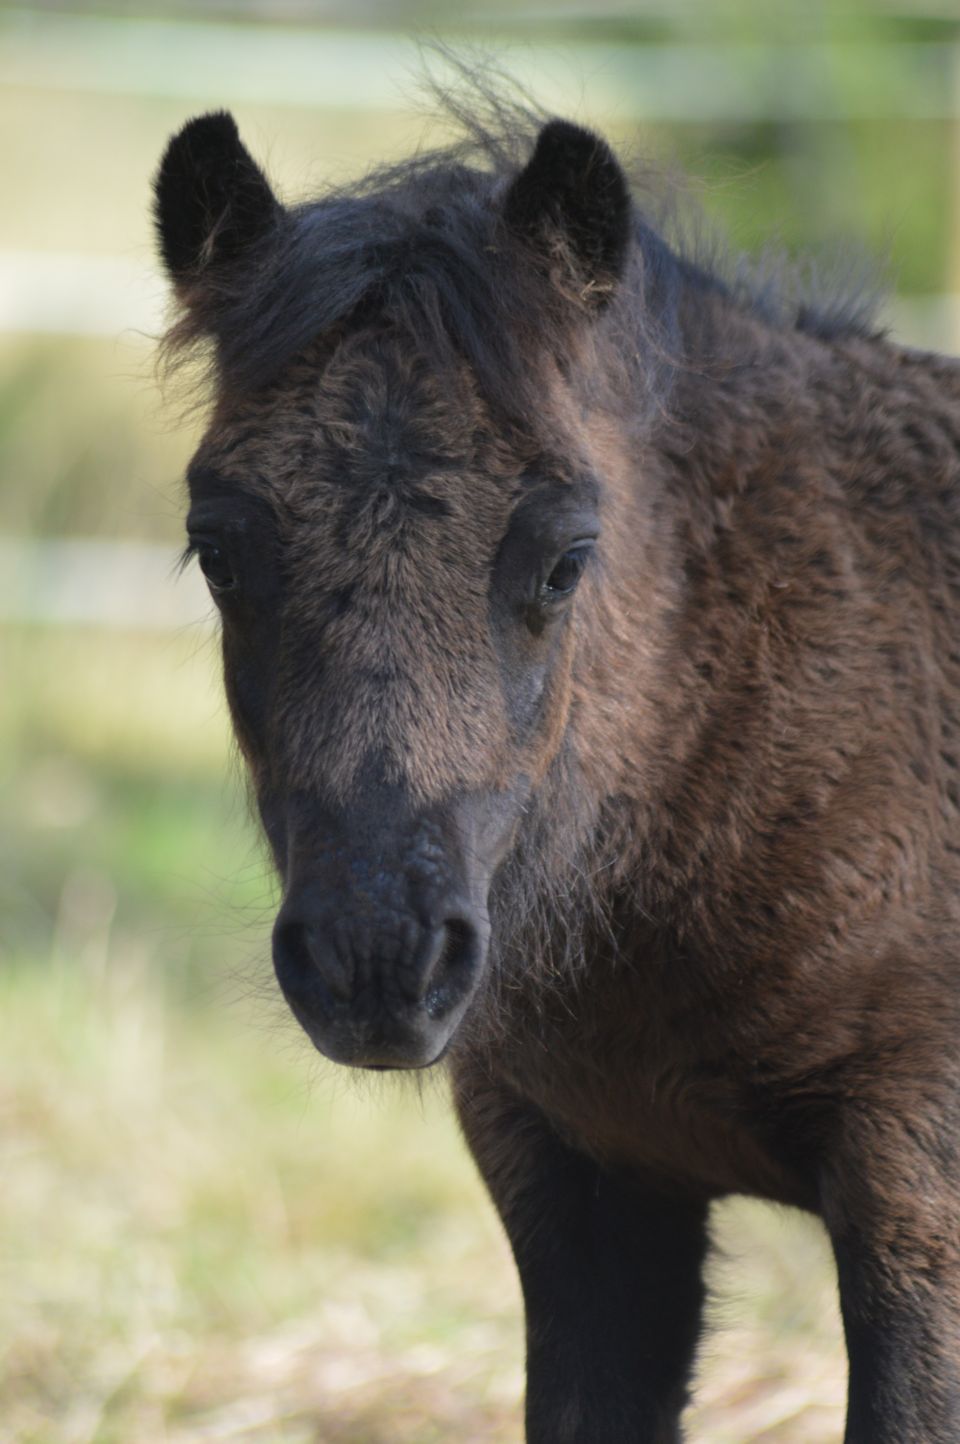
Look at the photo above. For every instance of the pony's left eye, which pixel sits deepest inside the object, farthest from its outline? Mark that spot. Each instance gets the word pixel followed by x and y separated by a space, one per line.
pixel 216 567
pixel 567 572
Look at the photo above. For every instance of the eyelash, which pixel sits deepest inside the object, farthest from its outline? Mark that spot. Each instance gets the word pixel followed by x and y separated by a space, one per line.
pixel 201 547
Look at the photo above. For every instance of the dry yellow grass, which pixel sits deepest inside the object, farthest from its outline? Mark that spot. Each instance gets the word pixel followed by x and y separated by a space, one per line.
pixel 206 1236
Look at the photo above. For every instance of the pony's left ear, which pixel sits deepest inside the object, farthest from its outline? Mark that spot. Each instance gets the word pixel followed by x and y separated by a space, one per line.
pixel 572 196
pixel 212 202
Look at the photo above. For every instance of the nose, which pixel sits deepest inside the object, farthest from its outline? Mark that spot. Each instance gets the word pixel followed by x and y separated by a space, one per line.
pixel 377 993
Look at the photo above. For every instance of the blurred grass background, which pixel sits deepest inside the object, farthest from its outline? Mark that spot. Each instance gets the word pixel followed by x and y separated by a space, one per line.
pixel 204 1233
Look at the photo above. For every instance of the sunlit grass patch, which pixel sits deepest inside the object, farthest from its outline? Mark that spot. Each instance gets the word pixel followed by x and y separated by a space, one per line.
pixel 198 1227
pixel 208 1235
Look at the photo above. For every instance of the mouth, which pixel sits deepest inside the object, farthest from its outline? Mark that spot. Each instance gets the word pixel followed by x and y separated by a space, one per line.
pixel 389 1046
pixel 406 1067
pixel 380 1013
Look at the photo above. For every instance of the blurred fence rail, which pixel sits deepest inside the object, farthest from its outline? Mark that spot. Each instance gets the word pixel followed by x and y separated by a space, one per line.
pixel 375 72
pixel 71 294
pixel 135 586
pixel 323 66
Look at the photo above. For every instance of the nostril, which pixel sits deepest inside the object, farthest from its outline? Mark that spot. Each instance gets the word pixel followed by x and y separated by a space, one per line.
pixel 306 968
pixel 292 961
pixel 451 974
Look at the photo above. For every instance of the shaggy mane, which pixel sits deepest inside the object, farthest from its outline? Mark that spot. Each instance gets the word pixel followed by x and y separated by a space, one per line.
pixel 420 244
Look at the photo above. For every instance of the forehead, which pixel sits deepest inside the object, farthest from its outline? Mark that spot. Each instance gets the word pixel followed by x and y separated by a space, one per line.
pixel 392 491
pixel 372 433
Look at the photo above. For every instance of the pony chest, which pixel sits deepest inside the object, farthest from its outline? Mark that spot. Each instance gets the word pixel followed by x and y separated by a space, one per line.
pixel 637 1095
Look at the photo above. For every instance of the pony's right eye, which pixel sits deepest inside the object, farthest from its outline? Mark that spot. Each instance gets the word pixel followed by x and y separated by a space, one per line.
pixel 216 568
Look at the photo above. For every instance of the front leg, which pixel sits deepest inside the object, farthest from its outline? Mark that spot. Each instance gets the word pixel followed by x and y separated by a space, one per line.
pixel 611 1275
pixel 891 1201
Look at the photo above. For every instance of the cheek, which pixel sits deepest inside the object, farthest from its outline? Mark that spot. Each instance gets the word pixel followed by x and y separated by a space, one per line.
pixel 248 674
pixel 556 712
pixel 273 816
pixel 540 702
pixel 528 692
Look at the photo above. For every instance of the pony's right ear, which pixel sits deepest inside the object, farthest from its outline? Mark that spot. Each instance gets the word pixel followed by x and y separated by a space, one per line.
pixel 212 202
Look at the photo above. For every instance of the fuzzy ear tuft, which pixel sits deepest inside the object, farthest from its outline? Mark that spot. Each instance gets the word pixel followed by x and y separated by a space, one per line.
pixel 211 199
pixel 574 189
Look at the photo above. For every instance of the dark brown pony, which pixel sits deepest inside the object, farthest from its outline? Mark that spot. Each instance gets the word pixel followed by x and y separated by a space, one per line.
pixel 590 628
